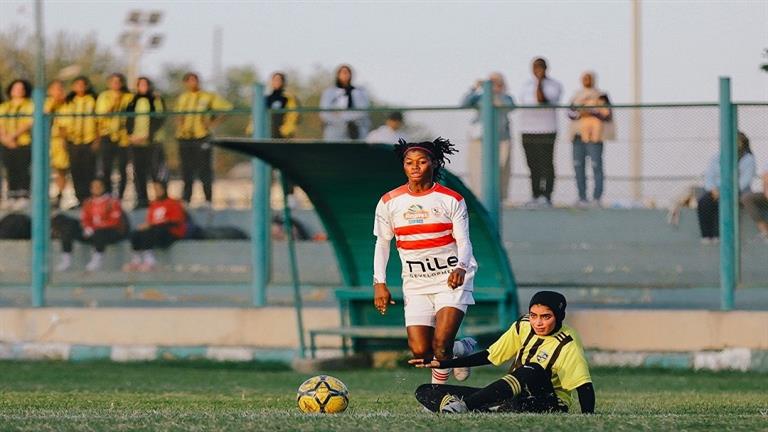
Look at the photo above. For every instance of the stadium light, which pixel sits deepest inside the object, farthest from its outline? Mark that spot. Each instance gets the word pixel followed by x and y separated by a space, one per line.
pixel 133 39
pixel 134 17
pixel 154 17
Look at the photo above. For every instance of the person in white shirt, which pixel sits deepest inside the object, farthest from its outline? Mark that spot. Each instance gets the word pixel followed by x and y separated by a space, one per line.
pixel 539 131
pixel 756 206
pixel 344 125
pixel 430 224
pixel 390 132
pixel 708 204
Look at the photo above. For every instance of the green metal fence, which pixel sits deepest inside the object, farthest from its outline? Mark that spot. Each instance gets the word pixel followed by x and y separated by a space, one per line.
pixel 645 234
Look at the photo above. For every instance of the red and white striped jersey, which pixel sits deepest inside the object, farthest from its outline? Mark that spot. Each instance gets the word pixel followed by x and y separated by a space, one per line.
pixel 431 229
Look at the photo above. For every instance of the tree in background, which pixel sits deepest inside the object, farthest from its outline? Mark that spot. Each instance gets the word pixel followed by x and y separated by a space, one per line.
pixel 67 55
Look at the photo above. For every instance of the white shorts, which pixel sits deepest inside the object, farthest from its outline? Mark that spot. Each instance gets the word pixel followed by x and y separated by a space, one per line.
pixel 420 309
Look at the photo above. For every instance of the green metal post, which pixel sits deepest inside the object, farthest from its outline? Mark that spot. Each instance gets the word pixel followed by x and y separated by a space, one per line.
pixel 490 192
pixel 260 205
pixel 39 169
pixel 729 196
pixel 297 302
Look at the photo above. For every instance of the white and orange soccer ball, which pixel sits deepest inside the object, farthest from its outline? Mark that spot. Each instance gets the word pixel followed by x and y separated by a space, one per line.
pixel 322 394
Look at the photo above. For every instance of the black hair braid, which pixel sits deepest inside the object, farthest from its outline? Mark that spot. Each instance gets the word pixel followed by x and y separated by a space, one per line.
pixel 437 151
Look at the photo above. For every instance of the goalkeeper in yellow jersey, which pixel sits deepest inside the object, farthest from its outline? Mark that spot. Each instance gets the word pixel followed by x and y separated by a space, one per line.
pixel 548 365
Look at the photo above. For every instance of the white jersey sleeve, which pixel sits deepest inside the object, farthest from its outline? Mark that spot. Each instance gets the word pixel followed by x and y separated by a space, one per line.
pixel 382 229
pixel 460 219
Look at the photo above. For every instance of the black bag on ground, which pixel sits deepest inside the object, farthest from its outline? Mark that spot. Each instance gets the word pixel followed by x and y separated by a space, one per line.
pixel 16 226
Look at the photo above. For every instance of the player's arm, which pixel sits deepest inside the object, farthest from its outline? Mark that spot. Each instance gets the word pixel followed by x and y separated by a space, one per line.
pixel 477 359
pixel 382 229
pixel 586 398
pixel 460 219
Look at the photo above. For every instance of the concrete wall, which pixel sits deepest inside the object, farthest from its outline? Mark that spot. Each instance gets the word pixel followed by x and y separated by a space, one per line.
pixel 275 327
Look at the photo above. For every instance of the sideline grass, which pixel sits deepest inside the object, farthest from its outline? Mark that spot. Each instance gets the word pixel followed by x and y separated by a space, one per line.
pixel 42 396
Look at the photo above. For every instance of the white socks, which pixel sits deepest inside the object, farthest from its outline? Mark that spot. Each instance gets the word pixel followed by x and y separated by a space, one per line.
pixel 95 263
pixel 149 258
pixel 65 263
pixel 440 376
pixel 461 348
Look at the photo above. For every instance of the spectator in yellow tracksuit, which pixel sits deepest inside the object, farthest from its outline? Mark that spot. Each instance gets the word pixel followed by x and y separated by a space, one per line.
pixel 56 104
pixel 114 138
pixel 16 138
pixel 141 133
pixel 193 132
pixel 82 136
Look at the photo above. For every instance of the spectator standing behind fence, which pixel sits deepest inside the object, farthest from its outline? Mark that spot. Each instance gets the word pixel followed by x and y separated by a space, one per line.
pixel 390 132
pixel 56 105
pixel 16 139
pixel 503 132
pixel 708 202
pixel 756 206
pixel 166 223
pixel 82 136
pixel 102 223
pixel 114 138
pixel 141 128
pixel 591 125
pixel 539 131
pixel 193 132
pixel 342 125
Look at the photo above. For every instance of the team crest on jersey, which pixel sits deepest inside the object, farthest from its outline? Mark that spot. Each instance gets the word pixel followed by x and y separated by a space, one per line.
pixel 437 211
pixel 416 214
pixel 542 356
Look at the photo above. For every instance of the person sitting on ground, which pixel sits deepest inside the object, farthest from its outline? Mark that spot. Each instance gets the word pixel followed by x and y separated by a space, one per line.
pixel 549 364
pixel 756 205
pixel 708 210
pixel 102 223
pixel 166 223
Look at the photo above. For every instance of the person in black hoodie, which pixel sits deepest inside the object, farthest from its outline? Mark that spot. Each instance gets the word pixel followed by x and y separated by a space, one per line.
pixel 142 127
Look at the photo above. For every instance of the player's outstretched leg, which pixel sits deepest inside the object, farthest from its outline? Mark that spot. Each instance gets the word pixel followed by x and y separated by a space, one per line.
pixel 431 395
pixel 463 348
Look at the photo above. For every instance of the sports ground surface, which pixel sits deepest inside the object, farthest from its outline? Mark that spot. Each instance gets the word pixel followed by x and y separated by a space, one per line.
pixel 40 396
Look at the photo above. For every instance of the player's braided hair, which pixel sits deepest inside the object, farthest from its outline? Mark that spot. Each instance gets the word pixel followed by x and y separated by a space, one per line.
pixel 437 151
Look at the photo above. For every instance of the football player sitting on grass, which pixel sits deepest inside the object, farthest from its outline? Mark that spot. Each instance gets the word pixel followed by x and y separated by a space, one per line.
pixel 548 365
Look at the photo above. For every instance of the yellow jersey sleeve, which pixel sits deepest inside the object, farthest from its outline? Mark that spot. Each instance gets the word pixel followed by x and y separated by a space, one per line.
pixel 218 103
pixel 572 367
pixel 506 347
pixel 290 120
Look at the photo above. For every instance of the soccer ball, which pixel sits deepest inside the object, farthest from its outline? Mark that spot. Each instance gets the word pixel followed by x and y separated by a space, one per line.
pixel 322 394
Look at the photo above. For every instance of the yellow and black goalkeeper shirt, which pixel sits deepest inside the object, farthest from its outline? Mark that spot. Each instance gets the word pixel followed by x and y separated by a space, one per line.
pixel 111 101
pixel 142 128
pixel 196 126
pixel 20 116
pixel 82 125
pixel 561 354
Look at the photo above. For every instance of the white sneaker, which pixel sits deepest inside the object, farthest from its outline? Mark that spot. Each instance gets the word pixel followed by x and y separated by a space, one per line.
pixel 65 263
pixel 467 347
pixel 95 263
pixel 452 405
pixel 581 204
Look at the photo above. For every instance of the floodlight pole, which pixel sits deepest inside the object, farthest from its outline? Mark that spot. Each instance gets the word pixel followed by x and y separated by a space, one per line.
pixel 260 205
pixel 40 210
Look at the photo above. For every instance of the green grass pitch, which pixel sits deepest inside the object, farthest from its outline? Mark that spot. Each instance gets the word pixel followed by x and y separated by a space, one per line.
pixel 42 396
